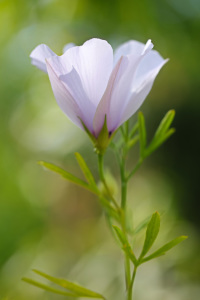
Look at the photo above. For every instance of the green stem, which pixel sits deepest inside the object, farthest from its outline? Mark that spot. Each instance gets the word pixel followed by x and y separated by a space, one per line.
pixel 130 290
pixel 123 193
pixel 126 257
pixel 123 179
pixel 120 210
pixel 123 217
pixel 101 174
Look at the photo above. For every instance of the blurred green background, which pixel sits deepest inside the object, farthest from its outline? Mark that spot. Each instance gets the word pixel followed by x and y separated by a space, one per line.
pixel 49 224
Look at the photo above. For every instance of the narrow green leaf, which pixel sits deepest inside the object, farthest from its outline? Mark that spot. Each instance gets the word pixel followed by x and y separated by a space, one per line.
pixel 125 245
pixel 48 288
pixel 73 287
pixel 151 233
pixel 142 225
pixel 133 141
pixel 158 142
pixel 86 171
pixel 142 134
pixel 67 176
pixel 165 124
pixel 134 130
pixel 163 132
pixel 161 251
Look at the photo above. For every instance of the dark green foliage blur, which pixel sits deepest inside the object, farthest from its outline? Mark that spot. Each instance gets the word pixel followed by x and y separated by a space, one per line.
pixel 47 223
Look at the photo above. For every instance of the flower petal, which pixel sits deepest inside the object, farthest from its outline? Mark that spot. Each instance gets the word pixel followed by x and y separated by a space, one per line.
pixel 68 46
pixel 73 84
pixel 39 55
pixel 140 90
pixel 93 62
pixel 121 91
pixel 131 48
pixel 64 98
pixel 104 105
pixel 149 62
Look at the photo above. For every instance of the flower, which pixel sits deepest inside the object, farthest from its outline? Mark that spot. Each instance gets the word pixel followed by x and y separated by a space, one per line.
pixel 91 84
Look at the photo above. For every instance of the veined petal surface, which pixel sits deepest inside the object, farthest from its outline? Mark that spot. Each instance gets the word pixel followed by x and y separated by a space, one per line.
pixel 93 62
pixel 143 81
pixel 85 72
pixel 87 87
pixel 104 105
pixel 121 91
pixel 130 48
pixel 64 98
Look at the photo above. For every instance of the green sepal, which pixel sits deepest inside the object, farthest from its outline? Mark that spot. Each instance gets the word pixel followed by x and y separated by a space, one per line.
pixel 163 132
pixel 142 134
pixel 161 251
pixel 48 288
pixel 78 290
pixel 103 139
pixel 86 171
pixel 125 245
pixel 91 136
pixel 68 176
pixel 151 233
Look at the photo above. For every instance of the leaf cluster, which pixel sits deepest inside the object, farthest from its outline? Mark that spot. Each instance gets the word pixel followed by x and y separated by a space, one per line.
pixel 152 231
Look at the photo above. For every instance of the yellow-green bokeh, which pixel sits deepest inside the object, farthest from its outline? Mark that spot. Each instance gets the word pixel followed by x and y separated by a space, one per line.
pixel 49 224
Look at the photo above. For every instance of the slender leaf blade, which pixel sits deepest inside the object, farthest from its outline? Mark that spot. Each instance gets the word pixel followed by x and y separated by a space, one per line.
pixel 86 171
pixel 73 287
pixel 165 124
pixel 125 245
pixel 134 130
pixel 67 176
pixel 133 141
pixel 48 288
pixel 142 134
pixel 158 142
pixel 163 132
pixel 161 251
pixel 151 233
pixel 142 225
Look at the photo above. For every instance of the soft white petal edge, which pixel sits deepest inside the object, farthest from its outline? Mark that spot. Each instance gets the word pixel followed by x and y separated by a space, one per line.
pixel 131 48
pixel 68 46
pixel 119 88
pixel 39 55
pixel 64 98
pixel 139 95
pixel 104 105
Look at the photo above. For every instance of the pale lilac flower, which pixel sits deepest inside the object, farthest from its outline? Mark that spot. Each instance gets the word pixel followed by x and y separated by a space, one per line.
pixel 89 82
